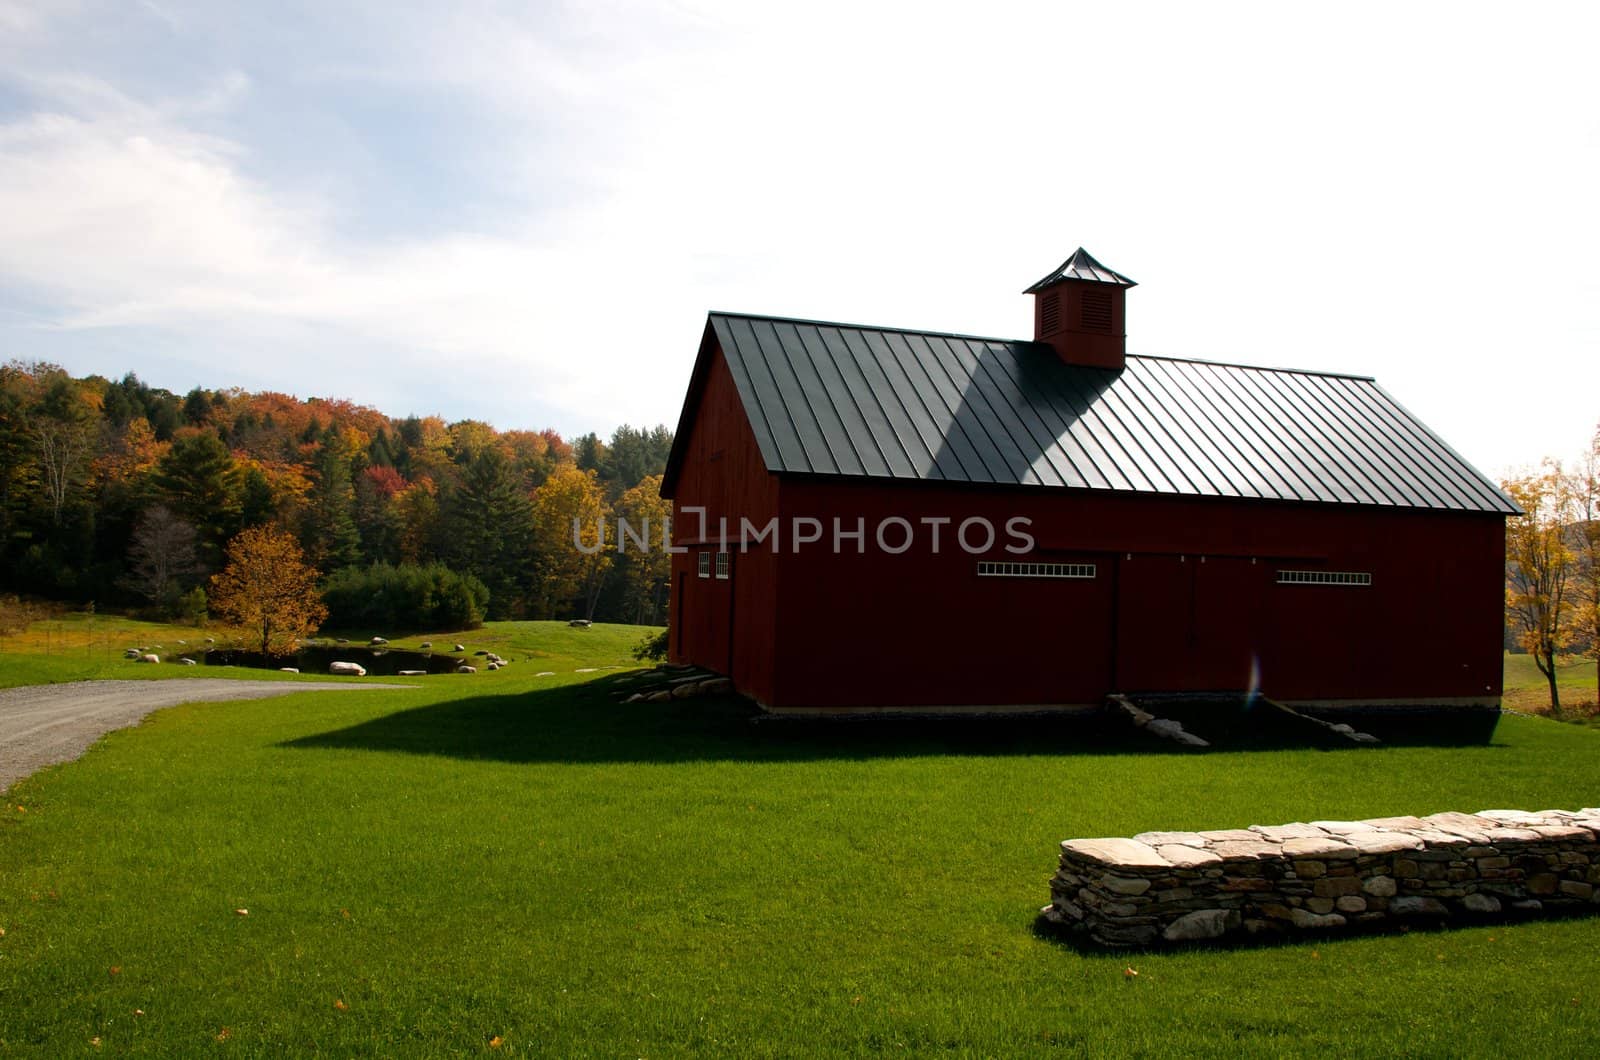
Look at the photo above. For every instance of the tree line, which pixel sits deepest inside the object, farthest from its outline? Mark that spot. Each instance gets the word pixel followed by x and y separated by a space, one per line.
pixel 124 494
pixel 1553 563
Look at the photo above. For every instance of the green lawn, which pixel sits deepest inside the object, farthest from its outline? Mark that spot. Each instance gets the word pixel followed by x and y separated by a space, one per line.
pixel 504 856
pixel 1527 689
pixel 79 647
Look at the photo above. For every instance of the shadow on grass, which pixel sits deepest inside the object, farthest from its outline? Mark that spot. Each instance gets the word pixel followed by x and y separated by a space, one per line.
pixel 587 723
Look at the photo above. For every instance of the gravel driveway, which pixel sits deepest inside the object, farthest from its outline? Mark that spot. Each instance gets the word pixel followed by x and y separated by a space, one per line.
pixel 41 725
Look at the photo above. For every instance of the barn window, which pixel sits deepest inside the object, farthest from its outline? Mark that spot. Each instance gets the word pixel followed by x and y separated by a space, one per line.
pixel 1036 570
pixel 705 565
pixel 1324 577
pixel 722 565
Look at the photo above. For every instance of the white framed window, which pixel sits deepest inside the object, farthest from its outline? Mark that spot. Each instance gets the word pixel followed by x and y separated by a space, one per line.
pixel 1036 570
pixel 705 565
pixel 1324 577
pixel 722 565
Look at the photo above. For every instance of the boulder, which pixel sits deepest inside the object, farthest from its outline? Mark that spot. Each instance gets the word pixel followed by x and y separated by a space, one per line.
pixel 580 623
pixel 459 647
pixel 288 669
pixel 185 661
pixel 349 669
pixel 1417 905
pixel 425 645
pixel 1201 924
pixel 466 668
pixel 376 641
pixel 1304 918
pixel 412 673
pixel 149 657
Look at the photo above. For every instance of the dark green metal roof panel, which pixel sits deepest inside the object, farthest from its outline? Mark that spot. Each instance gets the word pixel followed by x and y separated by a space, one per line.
pixel 1082 266
pixel 841 399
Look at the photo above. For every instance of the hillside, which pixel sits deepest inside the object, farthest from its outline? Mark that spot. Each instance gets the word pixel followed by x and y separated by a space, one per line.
pixel 125 495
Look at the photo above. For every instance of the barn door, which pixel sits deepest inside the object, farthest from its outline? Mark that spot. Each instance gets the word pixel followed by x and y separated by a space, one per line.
pixel 1186 623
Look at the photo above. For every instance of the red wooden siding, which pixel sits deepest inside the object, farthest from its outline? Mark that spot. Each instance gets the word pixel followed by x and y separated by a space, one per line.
pixel 1188 611
pixel 728 625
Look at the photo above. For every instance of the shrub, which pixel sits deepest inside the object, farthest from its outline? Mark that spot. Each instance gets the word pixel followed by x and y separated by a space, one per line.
pixel 192 606
pixel 407 597
pixel 653 648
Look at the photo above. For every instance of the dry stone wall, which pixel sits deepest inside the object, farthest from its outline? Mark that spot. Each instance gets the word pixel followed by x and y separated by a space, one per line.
pixel 1166 887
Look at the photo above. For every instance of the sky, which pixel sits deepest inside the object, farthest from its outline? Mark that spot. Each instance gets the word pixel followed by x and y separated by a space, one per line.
pixel 521 213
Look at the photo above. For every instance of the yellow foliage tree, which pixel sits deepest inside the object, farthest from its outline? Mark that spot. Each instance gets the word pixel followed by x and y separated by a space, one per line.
pixel 1539 569
pixel 267 587
pixel 645 512
pixel 574 549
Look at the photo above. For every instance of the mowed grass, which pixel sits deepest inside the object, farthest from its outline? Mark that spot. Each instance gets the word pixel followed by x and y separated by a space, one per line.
pixel 1527 689
pixel 521 866
pixel 81 647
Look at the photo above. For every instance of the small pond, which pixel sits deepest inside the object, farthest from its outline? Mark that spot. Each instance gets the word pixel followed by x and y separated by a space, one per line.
pixel 379 662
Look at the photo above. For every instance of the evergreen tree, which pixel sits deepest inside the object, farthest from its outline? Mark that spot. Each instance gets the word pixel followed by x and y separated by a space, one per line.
pixel 257 505
pixel 331 538
pixel 200 482
pixel 488 516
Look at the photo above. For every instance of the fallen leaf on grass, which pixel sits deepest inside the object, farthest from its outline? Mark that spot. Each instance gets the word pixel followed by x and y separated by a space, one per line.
pixel 95 1042
pixel 496 1042
pixel 116 969
pixel 138 1012
pixel 1130 973
pixel 340 1005
pixel 241 912
pixel 224 1034
pixel 345 913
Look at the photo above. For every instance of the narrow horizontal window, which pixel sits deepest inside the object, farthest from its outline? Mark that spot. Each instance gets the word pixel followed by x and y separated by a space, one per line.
pixel 722 564
pixel 1324 577
pixel 705 565
pixel 1036 570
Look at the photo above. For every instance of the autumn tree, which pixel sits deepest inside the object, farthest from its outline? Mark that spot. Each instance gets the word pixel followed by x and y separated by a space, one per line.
pixel 1539 569
pixel 574 549
pixel 63 432
pixel 1584 535
pixel 645 571
pixel 267 587
pixel 160 556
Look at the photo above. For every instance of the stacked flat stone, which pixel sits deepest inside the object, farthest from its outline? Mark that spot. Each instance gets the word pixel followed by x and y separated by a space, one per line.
pixel 1326 875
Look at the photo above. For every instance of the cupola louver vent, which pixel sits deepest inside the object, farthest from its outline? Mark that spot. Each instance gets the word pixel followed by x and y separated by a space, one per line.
pixel 1050 313
pixel 1096 312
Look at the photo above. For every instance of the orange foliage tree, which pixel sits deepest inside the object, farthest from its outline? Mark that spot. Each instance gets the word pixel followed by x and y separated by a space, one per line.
pixel 268 587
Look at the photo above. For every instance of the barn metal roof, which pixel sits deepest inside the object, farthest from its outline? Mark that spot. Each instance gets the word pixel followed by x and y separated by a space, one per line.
pixel 1082 266
pixel 842 399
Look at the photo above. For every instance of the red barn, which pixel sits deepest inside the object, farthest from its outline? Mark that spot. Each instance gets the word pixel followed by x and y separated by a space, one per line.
pixel 874 518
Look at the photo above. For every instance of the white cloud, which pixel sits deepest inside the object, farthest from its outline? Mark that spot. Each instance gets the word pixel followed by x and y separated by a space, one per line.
pixel 1291 188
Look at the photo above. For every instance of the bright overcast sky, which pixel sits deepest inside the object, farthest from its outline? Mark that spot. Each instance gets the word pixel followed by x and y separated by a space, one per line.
pixel 522 212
